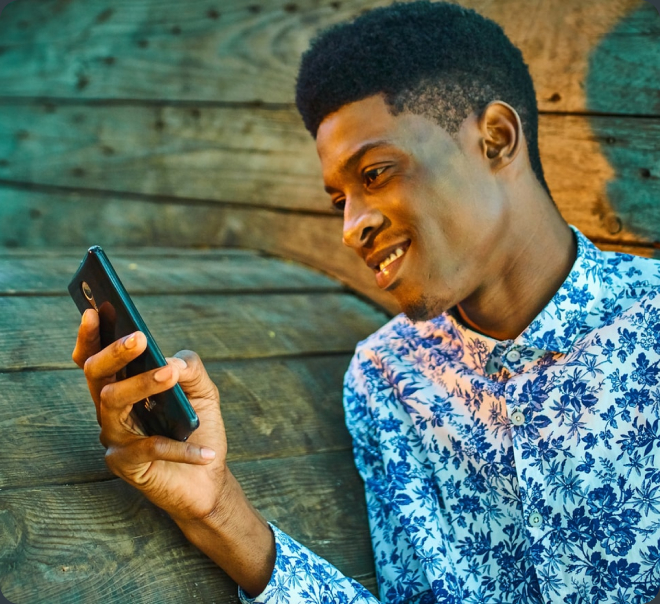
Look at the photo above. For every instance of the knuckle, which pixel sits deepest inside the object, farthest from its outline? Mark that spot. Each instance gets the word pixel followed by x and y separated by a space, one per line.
pixel 118 350
pixel 88 367
pixel 75 357
pixel 111 461
pixel 190 451
pixel 107 395
pixel 160 446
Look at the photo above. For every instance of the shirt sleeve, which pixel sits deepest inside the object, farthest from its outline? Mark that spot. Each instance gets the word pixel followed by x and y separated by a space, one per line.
pixel 301 577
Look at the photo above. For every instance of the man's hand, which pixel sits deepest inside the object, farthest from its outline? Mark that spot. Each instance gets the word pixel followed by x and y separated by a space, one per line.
pixel 185 479
pixel 190 480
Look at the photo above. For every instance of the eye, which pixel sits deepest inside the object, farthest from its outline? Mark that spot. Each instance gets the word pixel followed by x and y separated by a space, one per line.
pixel 338 204
pixel 373 173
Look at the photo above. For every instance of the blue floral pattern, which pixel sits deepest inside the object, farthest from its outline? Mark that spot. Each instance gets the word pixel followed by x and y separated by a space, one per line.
pixel 520 471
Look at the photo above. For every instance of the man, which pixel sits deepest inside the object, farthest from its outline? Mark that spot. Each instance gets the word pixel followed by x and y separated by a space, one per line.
pixel 506 424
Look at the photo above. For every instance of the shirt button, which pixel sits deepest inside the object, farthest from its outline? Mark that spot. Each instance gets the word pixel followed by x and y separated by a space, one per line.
pixel 513 356
pixel 517 418
pixel 535 520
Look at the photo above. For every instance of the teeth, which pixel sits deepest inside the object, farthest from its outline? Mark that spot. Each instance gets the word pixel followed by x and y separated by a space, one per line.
pixel 391 258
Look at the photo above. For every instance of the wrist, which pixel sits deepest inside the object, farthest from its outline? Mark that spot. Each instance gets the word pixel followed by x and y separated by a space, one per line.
pixel 236 537
pixel 219 509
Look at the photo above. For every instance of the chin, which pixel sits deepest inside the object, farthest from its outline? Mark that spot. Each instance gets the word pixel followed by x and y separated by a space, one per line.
pixel 422 308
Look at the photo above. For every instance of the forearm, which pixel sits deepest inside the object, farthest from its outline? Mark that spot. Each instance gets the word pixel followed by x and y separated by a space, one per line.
pixel 237 538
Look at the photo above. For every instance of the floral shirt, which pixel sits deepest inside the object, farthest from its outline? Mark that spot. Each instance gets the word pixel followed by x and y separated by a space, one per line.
pixel 523 471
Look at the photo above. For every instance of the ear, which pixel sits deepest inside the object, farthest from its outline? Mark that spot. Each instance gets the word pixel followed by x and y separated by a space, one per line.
pixel 501 134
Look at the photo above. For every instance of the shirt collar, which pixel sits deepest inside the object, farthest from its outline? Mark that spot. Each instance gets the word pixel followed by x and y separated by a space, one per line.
pixel 563 319
pixel 557 325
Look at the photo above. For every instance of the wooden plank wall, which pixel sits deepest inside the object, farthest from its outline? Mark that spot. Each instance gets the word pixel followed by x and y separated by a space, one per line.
pixel 275 337
pixel 157 122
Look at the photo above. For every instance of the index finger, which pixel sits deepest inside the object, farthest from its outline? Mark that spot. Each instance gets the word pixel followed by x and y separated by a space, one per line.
pixel 88 342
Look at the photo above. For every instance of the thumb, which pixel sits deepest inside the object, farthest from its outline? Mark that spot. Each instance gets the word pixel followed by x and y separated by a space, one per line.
pixel 193 377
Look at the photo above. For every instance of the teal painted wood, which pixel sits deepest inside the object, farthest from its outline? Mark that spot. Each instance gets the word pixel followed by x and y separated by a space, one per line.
pixel 272 408
pixel 600 169
pixel 233 154
pixel 103 542
pixel 70 533
pixel 43 220
pixel 191 274
pixel 215 326
pixel 239 51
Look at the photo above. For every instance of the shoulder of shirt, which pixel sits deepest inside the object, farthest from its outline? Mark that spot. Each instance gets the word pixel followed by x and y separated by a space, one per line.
pixel 628 281
pixel 635 275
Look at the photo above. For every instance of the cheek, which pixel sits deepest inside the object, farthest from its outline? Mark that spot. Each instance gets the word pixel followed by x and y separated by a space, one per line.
pixel 443 260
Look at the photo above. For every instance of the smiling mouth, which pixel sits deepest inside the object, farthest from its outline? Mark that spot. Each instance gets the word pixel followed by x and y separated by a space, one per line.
pixel 391 258
pixel 394 255
pixel 389 267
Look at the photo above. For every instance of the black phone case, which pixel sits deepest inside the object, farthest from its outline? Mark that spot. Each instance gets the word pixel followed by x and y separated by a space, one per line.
pixel 168 413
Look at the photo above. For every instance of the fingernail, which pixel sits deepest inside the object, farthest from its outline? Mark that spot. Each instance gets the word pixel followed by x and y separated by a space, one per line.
pixel 207 453
pixel 130 341
pixel 180 362
pixel 162 375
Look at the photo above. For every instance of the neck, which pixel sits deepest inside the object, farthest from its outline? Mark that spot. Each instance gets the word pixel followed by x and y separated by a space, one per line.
pixel 537 257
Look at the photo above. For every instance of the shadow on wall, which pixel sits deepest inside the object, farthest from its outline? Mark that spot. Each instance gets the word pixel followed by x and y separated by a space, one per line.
pixel 623 74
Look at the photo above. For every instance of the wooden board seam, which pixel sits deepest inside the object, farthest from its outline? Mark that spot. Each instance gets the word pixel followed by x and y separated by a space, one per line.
pixel 206 104
pixel 591 113
pixel 338 289
pixel 306 455
pixel 166 199
pixel 207 360
pixel 219 204
pixel 115 101
pixel 633 243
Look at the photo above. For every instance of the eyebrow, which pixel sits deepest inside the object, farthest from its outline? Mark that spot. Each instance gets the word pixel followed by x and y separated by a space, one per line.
pixel 355 158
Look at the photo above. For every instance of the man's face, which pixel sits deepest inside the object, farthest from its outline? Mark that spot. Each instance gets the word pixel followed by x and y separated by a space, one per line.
pixel 411 192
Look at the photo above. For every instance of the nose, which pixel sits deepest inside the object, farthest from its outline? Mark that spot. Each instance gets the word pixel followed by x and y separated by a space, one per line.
pixel 360 222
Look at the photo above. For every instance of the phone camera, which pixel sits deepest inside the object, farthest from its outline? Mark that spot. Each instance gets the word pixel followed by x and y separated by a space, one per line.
pixel 87 291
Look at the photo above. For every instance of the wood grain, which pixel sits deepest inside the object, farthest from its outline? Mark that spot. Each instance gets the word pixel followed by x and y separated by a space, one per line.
pixel 103 542
pixel 583 54
pixel 312 240
pixel 206 271
pixel 39 332
pixel 633 250
pixel 586 55
pixel 69 531
pixel 238 155
pixel 271 408
pixel 28 218
pixel 604 173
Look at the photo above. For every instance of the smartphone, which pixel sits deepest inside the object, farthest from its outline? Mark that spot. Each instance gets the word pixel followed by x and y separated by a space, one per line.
pixel 96 285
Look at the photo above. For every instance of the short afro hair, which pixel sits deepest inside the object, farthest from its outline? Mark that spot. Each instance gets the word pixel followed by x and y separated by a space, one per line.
pixel 435 59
